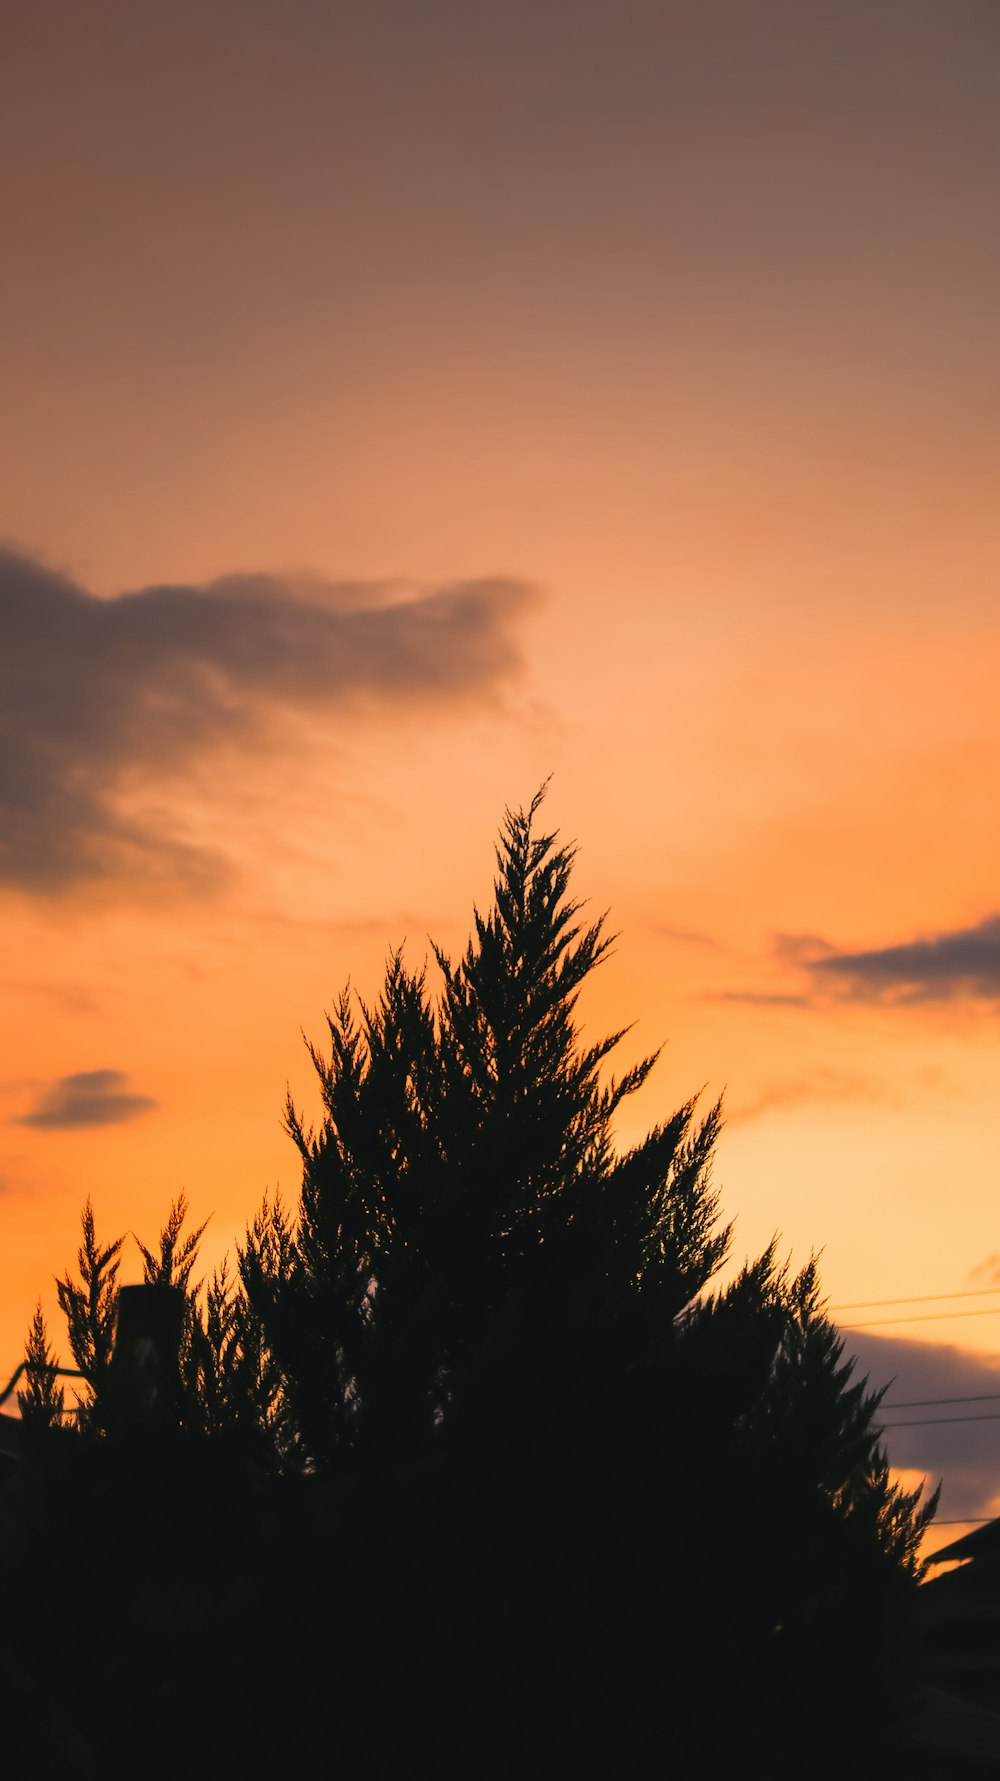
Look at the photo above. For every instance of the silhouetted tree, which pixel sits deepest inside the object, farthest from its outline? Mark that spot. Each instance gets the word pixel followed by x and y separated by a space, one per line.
pixel 463 1189
pixel 522 1489
pixel 499 1328
pixel 224 1378
pixel 90 1307
pixel 41 1400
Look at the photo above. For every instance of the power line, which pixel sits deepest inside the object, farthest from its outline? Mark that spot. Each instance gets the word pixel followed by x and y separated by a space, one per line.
pixel 982 1397
pixel 923 1298
pixel 928 1422
pixel 873 1323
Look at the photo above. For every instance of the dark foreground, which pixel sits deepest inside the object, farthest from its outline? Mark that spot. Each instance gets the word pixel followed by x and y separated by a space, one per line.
pixel 167 1613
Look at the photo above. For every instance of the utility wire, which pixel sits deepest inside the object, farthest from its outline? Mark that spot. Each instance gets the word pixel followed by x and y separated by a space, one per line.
pixel 983 1397
pixel 872 1323
pixel 981 1292
pixel 927 1422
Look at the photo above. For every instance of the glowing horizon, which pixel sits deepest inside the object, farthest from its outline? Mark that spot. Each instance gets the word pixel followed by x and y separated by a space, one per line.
pixel 395 417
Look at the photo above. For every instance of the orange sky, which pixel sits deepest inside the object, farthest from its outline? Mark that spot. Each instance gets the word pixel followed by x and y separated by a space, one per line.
pixel 470 394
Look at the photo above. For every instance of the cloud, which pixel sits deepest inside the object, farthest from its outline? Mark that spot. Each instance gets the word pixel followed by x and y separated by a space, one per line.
pixel 754 998
pixel 686 936
pixel 799 949
pixel 822 1084
pixel 69 998
pixel 88 1098
pixel 793 950
pixel 826 1083
pixel 965 962
pixel 962 1454
pixel 100 698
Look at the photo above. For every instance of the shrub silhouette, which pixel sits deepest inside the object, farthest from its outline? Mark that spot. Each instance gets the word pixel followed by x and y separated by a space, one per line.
pixel 523 1492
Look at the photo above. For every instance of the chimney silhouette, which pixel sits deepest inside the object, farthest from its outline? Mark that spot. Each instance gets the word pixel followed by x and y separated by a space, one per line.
pixel 146 1357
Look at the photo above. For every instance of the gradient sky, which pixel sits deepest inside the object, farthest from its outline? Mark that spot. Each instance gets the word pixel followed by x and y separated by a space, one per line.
pixel 400 404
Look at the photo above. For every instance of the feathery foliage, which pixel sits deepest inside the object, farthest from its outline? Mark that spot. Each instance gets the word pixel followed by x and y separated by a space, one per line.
pixel 463 1198
pixel 90 1306
pixel 41 1400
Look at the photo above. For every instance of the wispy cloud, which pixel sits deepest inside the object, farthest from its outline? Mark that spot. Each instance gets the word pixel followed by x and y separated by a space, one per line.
pixel 838 1087
pixel 69 998
pixel 964 962
pixel 87 1098
pixel 686 936
pixel 762 998
pixel 790 952
pixel 800 949
pixel 100 699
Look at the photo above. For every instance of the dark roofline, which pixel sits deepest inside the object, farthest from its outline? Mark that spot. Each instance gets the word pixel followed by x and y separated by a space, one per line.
pixel 982 1542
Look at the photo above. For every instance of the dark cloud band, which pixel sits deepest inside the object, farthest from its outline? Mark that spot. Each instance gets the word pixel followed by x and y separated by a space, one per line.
pixel 102 697
pixel 962 1454
pixel 88 1098
pixel 964 962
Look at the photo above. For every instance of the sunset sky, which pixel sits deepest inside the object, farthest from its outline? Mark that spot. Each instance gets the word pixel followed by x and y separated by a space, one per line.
pixel 400 404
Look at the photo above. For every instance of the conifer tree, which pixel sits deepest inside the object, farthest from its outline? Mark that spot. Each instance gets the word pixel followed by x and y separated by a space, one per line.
pixel 495 1320
pixel 41 1400
pixel 465 1218
pixel 90 1307
pixel 226 1379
